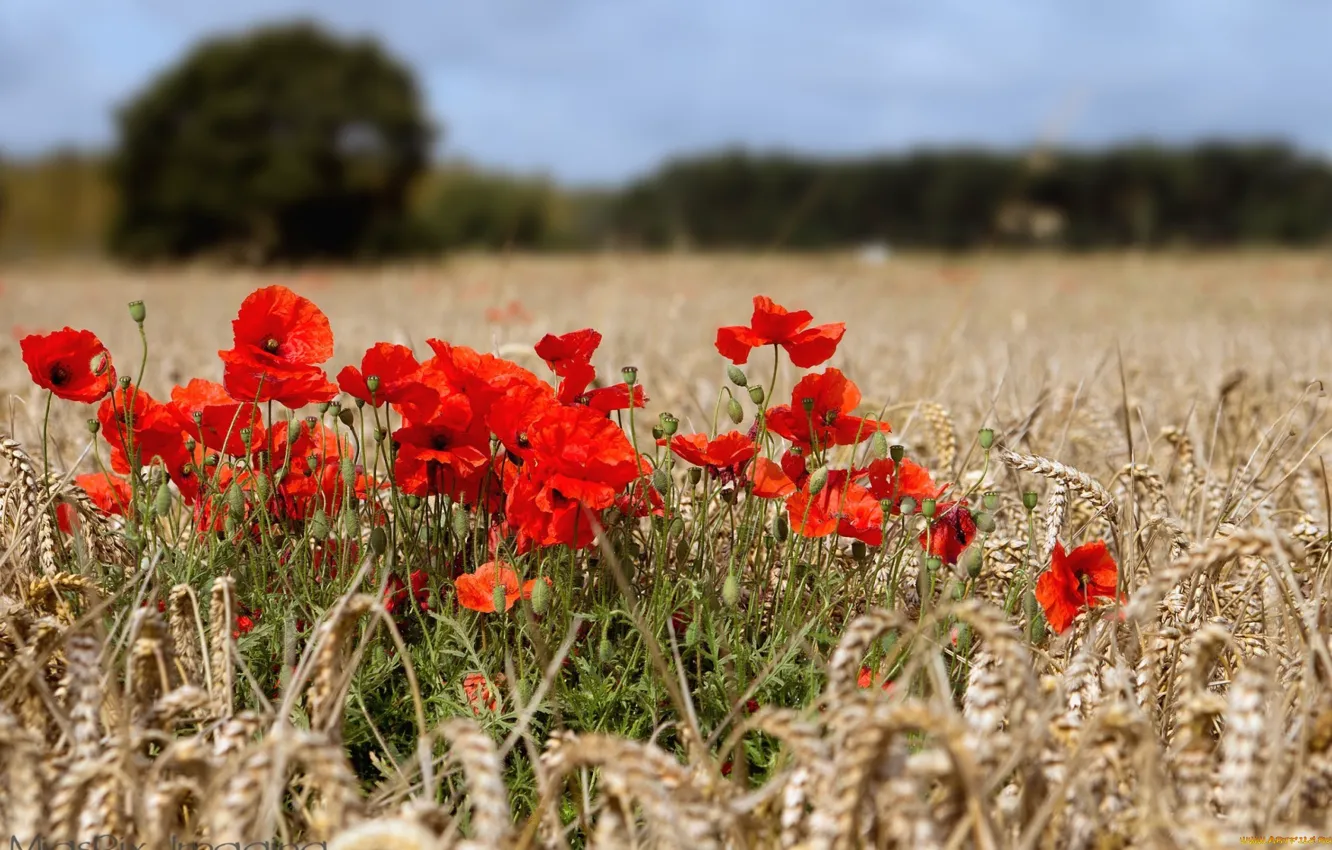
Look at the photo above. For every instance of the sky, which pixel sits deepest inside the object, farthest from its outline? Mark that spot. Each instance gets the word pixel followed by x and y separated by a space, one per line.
pixel 599 91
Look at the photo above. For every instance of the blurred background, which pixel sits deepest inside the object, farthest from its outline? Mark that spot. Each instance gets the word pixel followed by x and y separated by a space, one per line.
pixel 283 132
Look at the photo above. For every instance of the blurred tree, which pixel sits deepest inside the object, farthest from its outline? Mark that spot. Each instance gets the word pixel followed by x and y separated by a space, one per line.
pixel 284 143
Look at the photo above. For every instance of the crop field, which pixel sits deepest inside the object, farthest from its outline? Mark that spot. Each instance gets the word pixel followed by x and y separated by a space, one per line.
pixel 1031 553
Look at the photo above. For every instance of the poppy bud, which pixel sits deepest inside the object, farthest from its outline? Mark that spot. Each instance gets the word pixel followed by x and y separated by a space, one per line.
pixel 756 394
pixel 927 507
pixel 162 502
pixel 630 375
pixel 695 475
pixel 990 500
pixel 984 521
pixel 323 407
pixel 737 377
pixel 99 363
pixel 460 522
pixel 734 411
pixel 262 486
pixel 540 596
pixel 312 421
pixel 378 540
pixel 859 550
pixel 658 433
pixel 236 501
pixel 879 445
pixel 124 381
pixel 319 525
pixel 661 482
pixel 293 430
pixel 348 471
pixel 731 590
pixel 691 633
pixel 94 426
pixel 231 526
pixel 908 505
pixel 669 424
pixel 312 461
pixel 807 404
pixel 412 502
pixel 818 479
pixel 138 312
pixel 212 459
pixel 963 639
pixel 897 452
pixel 986 438
pixel 886 506
pixel 380 434
pixel 346 417
pixel 972 560
pixel 498 598
pixel 605 651
pixel 372 383
pixel 682 549
pixel 780 528
pixel 190 444
pixel 1029 500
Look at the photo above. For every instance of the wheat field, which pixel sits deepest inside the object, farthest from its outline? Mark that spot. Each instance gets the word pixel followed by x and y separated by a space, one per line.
pixel 1172 404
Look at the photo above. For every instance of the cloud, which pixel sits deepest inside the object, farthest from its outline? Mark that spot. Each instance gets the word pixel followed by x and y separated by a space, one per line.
pixel 603 89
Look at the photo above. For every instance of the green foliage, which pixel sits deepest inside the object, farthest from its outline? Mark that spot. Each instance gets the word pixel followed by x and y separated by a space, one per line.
pixel 1141 196
pixel 281 144
pixel 478 210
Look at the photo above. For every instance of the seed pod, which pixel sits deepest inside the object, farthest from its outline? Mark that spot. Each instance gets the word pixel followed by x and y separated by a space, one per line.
pixel 669 424
pixel 927 507
pixel 461 522
pixel 498 598
pixel 630 375
pixel 879 445
pixel 781 529
pixel 990 500
pixel 818 479
pixel 984 521
pixel 897 452
pixel 378 540
pixel 162 502
pixel 540 596
pixel 138 312
pixel 859 550
pixel 907 506
pixel 346 417
pixel 756 394
pixel 736 375
pixel 1030 500
pixel 731 590
pixel 695 475
pixel 735 411
pixel 986 438
pixel 372 383
pixel 94 426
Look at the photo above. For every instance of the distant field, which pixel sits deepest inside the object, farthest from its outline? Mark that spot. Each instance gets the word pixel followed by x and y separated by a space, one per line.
pixel 955 330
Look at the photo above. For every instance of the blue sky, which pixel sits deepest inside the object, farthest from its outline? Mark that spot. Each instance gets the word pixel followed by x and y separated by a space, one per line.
pixel 601 90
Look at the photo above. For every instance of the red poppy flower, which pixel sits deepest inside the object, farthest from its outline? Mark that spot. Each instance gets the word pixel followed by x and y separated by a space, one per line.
pixel 279 340
pixel 828 421
pixel 395 594
pixel 1076 581
pixel 244 625
pixel 641 498
pixel 74 365
pixel 221 417
pixel 397 371
pixel 477 691
pixel 841 506
pixel 580 461
pixel 866 678
pixel 772 324
pixel 888 481
pixel 479 378
pixel 730 449
pixel 566 353
pixel 769 480
pixel 476 591
pixel 951 531
pixel 111 494
pixel 444 455
pixel 513 413
pixel 156 431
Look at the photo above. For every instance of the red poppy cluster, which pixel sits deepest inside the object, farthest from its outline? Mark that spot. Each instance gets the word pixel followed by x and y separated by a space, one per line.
pixel 545 461
pixel 1075 582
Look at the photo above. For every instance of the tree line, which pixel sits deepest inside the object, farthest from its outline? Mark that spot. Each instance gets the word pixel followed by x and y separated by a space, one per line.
pixel 290 144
